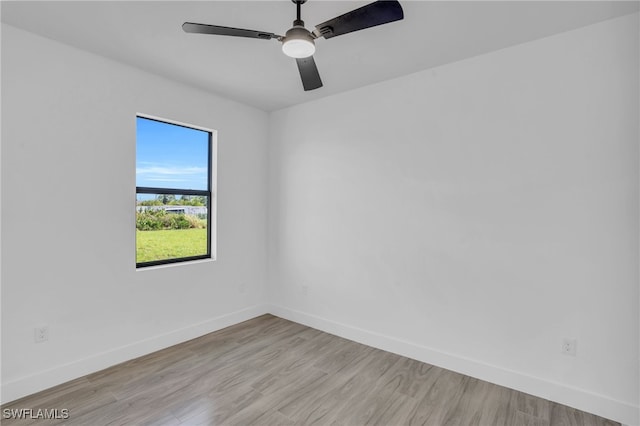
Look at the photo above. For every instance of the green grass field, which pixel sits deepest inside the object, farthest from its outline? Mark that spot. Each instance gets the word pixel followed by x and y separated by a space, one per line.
pixel 169 244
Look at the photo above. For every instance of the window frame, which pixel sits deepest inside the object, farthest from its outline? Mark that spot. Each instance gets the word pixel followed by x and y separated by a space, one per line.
pixel 174 191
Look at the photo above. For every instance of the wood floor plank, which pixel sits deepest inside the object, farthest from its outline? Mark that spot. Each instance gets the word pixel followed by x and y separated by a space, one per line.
pixel 497 408
pixel 78 397
pixel 360 405
pixel 384 406
pixel 531 405
pixel 340 356
pixel 414 377
pixel 316 406
pixel 524 419
pixel 46 397
pixel 561 415
pixel 396 413
pixel 270 371
pixel 225 407
pixel 431 409
pixel 333 392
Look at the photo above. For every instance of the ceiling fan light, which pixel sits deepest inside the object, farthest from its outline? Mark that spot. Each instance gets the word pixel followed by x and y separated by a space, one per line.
pixel 298 43
pixel 298 48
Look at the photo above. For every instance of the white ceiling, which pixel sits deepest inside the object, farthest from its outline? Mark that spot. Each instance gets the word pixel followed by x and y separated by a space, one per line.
pixel 148 35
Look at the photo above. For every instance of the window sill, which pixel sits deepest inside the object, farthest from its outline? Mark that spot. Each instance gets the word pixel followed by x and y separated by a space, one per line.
pixel 175 264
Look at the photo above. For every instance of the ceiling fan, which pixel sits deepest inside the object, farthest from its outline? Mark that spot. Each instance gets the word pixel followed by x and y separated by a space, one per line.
pixel 298 42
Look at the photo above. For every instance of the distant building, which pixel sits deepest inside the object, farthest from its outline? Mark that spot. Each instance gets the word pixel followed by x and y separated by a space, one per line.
pixel 190 210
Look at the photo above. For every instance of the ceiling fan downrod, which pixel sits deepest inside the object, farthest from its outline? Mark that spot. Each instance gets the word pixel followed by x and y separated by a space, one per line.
pixel 298 8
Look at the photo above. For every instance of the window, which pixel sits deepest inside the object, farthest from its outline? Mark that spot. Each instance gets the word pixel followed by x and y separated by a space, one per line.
pixel 173 192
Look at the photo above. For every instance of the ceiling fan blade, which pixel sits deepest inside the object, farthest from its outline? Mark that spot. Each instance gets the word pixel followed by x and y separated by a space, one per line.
pixel 371 15
pixel 190 27
pixel 309 73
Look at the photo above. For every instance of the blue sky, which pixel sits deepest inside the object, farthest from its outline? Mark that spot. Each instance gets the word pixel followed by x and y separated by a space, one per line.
pixel 170 156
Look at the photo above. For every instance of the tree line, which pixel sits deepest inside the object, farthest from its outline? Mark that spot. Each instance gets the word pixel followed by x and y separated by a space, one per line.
pixel 172 200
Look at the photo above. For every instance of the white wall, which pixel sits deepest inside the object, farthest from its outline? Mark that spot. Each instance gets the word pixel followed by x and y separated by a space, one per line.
pixel 68 219
pixel 475 214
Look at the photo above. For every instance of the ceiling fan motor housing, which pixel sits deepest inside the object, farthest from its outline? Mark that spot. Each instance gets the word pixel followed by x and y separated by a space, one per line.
pixel 298 32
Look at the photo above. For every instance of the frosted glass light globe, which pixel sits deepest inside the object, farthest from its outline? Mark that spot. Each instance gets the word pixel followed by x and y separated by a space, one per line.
pixel 298 48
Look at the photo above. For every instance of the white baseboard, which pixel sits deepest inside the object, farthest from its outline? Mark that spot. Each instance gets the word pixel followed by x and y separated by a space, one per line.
pixel 63 373
pixel 574 397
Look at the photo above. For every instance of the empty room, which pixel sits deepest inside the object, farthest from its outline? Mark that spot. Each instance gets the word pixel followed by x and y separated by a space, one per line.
pixel 322 212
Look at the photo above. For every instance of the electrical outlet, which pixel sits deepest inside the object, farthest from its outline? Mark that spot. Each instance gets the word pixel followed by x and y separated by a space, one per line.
pixel 242 288
pixel 305 289
pixel 41 334
pixel 569 346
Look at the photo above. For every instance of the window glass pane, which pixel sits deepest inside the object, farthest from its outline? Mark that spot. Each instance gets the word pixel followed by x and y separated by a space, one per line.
pixel 171 156
pixel 171 226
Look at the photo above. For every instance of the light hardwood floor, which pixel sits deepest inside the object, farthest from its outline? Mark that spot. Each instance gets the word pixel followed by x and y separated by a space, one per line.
pixel 270 371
